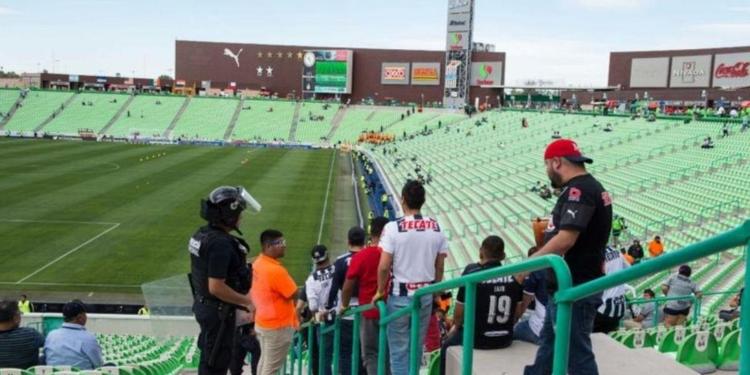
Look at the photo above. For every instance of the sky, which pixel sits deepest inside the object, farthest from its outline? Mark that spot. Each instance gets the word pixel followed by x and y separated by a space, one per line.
pixel 564 41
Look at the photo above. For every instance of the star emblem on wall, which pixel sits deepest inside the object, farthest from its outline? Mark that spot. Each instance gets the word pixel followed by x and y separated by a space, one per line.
pixel 269 54
pixel 260 55
pixel 289 55
pixel 299 55
pixel 269 72
pixel 279 54
pixel 260 71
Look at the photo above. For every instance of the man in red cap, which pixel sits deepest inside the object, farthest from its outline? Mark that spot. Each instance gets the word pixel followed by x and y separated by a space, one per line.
pixel 579 232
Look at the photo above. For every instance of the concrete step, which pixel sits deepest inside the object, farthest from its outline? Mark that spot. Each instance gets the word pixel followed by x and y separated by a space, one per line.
pixel 612 357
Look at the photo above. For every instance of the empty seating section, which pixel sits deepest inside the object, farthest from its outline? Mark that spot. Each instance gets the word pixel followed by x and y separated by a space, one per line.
pixel 311 127
pixel 35 108
pixel 98 110
pixel 148 116
pixel 661 180
pixel 257 122
pixel 363 119
pixel 7 100
pixel 205 118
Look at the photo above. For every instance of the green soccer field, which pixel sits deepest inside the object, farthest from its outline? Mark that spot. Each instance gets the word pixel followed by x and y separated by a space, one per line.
pixel 109 217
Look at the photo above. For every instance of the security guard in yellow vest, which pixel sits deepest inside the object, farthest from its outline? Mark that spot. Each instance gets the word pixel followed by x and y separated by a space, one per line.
pixel 24 305
pixel 144 311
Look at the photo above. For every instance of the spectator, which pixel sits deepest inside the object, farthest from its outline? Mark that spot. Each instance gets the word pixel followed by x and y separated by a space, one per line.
pixel 679 285
pixel 144 311
pixel 71 344
pixel 356 240
pixel 725 130
pixel 445 301
pixel 733 312
pixel 415 247
pixel 636 251
pixel 537 187
pixel 274 293
pixel 246 341
pixel 556 134
pixel 433 338
pixel 626 256
pixel 612 309
pixel 19 346
pixel 618 226
pixel 745 123
pixel 24 305
pixel 545 192
pixel 579 231
pixel 707 143
pixel 497 301
pixel 317 288
pixel 534 292
pixel 655 247
pixel 645 316
pixel 364 273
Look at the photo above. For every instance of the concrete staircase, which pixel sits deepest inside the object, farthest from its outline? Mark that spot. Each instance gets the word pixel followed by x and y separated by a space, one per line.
pixel 11 112
pixel 168 132
pixel 56 113
pixel 336 122
pixel 233 121
pixel 295 121
pixel 117 115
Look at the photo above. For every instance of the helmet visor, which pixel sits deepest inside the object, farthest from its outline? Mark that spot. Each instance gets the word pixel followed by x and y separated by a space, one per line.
pixel 248 200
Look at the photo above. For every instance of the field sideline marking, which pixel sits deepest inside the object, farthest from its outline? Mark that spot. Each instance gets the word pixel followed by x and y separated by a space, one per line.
pixel 325 202
pixel 57 221
pixel 72 284
pixel 71 251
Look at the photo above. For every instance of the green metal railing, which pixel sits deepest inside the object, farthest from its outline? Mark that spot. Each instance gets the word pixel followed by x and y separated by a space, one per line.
pixel 565 297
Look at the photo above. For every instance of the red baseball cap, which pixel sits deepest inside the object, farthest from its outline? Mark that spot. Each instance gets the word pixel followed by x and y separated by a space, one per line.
pixel 566 148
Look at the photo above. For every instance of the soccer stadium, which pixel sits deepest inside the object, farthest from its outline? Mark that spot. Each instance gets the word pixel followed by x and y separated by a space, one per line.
pixel 344 209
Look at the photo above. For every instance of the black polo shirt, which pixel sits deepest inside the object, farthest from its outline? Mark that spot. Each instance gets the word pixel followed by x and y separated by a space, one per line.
pixel 583 206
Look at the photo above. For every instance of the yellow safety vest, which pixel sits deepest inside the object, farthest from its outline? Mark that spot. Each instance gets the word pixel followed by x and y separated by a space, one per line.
pixel 144 311
pixel 24 306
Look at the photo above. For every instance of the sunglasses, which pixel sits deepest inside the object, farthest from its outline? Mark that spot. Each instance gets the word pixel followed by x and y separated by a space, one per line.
pixel 279 242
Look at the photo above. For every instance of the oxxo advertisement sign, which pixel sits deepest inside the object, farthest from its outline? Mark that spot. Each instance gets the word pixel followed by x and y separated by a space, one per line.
pixel 649 72
pixel 486 73
pixel 690 71
pixel 425 74
pixel 394 73
pixel 732 70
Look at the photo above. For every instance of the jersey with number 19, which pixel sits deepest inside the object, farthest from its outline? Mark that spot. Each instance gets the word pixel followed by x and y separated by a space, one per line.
pixel 495 307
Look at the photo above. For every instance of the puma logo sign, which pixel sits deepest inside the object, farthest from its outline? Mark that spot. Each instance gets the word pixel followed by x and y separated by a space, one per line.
pixel 236 56
pixel 572 213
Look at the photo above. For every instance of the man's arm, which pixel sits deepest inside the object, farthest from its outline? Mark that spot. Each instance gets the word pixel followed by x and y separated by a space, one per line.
pixel 458 315
pixel 346 292
pixel 523 305
pixel 222 291
pixel 93 351
pixel 439 267
pixel 384 270
pixel 559 244
pixel 339 274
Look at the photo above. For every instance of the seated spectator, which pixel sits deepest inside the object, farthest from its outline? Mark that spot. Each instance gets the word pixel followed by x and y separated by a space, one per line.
pixel 534 296
pixel 556 134
pixel 496 303
pixel 608 128
pixel 612 310
pixel 644 318
pixel 19 346
pixel 626 256
pixel 679 285
pixel 636 251
pixel 733 312
pixel 545 192
pixel 71 344
pixel 655 247
pixel 537 187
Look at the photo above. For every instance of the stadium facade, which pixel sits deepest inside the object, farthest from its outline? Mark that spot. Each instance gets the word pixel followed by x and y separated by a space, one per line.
pixel 378 74
pixel 690 76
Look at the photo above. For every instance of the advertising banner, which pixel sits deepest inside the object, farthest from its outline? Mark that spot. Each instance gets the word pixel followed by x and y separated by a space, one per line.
pixel 327 71
pixel 457 41
pixel 459 21
pixel 486 73
pixel 394 73
pixel 732 70
pixel 690 71
pixel 649 72
pixel 425 74
pixel 458 6
pixel 451 74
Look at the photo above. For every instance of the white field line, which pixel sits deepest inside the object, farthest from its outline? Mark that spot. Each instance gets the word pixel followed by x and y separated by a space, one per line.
pixel 71 251
pixel 72 284
pixel 325 202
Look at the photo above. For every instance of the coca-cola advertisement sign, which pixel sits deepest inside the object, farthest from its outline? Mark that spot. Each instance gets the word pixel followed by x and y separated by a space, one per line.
pixel 732 70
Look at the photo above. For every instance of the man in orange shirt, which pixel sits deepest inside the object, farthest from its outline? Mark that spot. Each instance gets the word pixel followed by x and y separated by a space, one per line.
pixel 655 247
pixel 274 293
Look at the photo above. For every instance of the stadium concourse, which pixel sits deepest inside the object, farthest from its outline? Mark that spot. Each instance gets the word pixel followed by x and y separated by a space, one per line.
pixel 481 173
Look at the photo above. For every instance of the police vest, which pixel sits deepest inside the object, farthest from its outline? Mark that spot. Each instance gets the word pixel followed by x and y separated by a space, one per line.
pixel 238 276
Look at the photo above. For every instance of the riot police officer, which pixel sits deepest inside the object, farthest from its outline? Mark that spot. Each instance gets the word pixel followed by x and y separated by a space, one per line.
pixel 220 276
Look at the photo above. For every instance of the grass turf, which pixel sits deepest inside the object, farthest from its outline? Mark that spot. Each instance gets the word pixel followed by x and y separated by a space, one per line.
pixel 57 196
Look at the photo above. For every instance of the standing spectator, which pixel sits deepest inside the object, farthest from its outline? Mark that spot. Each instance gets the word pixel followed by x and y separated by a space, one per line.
pixel 679 285
pixel 71 344
pixel 636 251
pixel 579 231
pixel 745 122
pixel 356 239
pixel 655 247
pixel 19 346
pixel 24 305
pixel 645 317
pixel 144 311
pixel 725 130
pixel 317 288
pixel 496 304
pixel 415 247
pixel 364 273
pixel 612 310
pixel 618 226
pixel 534 291
pixel 274 293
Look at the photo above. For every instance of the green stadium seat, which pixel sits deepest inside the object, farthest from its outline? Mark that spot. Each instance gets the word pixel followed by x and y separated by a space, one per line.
pixel 672 339
pixel 433 367
pixel 13 371
pixel 42 370
pixel 699 351
pixel 639 339
pixel 729 352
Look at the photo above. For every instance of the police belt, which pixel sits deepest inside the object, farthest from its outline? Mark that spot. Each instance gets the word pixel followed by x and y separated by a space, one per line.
pixel 406 289
pixel 213 302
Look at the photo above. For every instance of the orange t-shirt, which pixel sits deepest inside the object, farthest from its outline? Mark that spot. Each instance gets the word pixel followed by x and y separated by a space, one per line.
pixel 628 258
pixel 271 292
pixel 655 248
